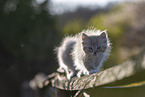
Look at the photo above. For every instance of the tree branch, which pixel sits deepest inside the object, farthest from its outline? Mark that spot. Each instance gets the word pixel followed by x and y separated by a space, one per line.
pixel 124 70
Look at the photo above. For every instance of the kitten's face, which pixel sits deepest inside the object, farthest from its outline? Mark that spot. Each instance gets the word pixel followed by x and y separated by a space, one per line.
pixel 94 45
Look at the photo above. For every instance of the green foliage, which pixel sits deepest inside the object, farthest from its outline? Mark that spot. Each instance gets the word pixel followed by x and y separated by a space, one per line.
pixel 115 27
pixel 72 27
pixel 97 21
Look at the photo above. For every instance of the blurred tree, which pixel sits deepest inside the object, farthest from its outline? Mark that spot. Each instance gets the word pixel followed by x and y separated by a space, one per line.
pixel 73 26
pixel 27 29
pixel 27 37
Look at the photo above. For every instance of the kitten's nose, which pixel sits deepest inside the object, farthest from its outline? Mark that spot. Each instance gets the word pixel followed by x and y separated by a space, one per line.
pixel 95 52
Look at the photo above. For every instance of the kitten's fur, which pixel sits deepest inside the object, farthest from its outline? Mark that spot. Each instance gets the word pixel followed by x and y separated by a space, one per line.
pixel 83 53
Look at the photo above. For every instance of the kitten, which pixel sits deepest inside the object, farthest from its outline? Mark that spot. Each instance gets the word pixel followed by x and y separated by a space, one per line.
pixel 83 53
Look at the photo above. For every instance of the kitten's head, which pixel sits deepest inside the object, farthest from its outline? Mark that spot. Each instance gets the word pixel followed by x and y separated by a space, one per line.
pixel 94 44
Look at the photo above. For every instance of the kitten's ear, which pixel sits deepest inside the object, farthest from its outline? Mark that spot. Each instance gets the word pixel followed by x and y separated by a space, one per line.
pixel 103 34
pixel 85 37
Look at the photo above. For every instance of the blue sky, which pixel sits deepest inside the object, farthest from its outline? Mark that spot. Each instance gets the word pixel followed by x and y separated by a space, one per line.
pixel 60 6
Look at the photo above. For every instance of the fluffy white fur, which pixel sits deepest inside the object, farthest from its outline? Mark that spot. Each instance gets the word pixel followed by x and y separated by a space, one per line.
pixel 83 53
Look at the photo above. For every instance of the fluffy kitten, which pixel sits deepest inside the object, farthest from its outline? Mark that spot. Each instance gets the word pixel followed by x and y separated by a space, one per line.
pixel 83 53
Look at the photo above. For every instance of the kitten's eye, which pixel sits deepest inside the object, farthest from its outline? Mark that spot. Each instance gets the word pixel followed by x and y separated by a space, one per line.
pixel 99 47
pixel 90 49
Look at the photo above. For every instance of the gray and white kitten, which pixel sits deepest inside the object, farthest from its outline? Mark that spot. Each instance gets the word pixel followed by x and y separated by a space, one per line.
pixel 83 53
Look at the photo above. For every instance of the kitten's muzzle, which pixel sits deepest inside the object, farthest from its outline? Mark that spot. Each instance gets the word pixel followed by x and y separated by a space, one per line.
pixel 95 52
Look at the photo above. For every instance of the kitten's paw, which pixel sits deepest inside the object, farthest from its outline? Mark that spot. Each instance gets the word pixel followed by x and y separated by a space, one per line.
pixel 92 71
pixel 85 72
pixel 81 73
pixel 61 70
pixel 70 75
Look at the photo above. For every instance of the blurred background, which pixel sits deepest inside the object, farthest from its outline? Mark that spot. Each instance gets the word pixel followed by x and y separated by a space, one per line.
pixel 31 29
